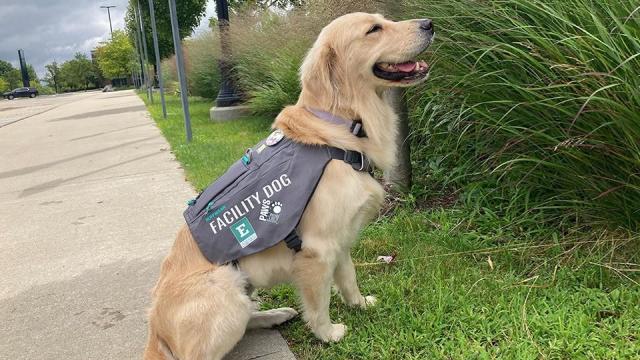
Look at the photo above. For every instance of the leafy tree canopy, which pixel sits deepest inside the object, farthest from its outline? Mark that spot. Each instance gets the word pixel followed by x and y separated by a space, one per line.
pixel 78 72
pixel 13 78
pixel 33 76
pixel 5 67
pixel 117 57
pixel 189 13
pixel 52 78
pixel 4 85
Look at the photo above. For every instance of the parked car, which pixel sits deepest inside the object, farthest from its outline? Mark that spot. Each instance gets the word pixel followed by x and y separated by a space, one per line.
pixel 21 92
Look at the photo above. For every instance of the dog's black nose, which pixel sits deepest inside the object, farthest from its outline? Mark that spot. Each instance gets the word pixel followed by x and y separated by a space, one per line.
pixel 426 25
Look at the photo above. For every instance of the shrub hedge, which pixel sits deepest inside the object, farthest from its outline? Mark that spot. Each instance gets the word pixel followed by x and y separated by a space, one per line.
pixel 532 109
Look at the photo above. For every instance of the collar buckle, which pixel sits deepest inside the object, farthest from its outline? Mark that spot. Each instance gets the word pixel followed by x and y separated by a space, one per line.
pixel 351 157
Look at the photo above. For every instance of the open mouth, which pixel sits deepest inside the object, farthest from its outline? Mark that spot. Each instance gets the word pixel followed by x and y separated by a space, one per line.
pixel 407 71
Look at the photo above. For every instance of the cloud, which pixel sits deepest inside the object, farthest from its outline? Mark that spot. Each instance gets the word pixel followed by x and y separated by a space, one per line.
pixel 49 30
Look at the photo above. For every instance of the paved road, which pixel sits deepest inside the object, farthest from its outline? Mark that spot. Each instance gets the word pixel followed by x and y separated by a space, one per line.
pixel 90 199
pixel 21 108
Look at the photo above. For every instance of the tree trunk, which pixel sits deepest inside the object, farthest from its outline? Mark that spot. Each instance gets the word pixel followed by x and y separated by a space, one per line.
pixel 400 176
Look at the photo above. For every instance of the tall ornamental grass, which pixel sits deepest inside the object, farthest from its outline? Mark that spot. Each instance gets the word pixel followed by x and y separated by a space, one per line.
pixel 201 54
pixel 268 48
pixel 533 108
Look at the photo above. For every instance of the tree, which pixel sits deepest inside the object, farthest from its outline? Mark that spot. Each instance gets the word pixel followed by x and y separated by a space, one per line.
pixel 189 13
pixel 116 58
pixel 78 72
pixel 53 75
pixel 14 78
pixel 33 76
pixel 5 67
pixel 4 85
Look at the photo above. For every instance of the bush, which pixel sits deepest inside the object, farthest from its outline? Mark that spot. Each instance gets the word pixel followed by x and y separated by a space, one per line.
pixel 533 107
pixel 168 68
pixel 43 89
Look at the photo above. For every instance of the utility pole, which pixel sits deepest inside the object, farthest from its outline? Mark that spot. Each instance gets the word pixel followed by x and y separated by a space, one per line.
pixel 108 7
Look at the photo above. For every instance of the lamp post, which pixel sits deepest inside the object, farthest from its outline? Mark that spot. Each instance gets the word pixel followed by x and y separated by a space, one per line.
pixel 228 94
pixel 108 7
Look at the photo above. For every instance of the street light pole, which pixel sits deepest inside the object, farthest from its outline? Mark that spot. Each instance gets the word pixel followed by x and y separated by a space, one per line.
pixel 228 94
pixel 108 7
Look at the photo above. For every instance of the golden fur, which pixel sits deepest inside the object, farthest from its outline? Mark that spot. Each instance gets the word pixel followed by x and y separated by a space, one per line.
pixel 201 310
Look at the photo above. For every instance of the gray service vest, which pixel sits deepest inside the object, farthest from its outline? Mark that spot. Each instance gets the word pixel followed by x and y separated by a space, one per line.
pixel 259 201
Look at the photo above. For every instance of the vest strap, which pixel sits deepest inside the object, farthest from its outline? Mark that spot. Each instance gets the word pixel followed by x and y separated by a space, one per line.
pixel 357 160
pixel 293 241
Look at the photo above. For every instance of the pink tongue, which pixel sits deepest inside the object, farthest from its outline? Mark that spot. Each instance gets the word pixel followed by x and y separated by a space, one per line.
pixel 408 66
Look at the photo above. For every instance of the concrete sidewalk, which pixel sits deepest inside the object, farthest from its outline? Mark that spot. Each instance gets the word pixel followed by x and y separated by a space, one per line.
pixel 90 200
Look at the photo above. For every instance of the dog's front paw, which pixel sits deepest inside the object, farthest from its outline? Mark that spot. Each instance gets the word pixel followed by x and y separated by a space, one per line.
pixel 365 302
pixel 333 333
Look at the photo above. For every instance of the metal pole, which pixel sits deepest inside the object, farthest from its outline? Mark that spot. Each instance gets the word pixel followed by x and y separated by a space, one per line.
pixel 180 66
pixel 157 53
pixel 227 94
pixel 144 48
pixel 139 45
pixel 110 27
pixel 141 71
pixel 108 7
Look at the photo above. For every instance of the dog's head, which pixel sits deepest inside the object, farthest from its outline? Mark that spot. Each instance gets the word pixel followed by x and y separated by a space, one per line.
pixel 359 51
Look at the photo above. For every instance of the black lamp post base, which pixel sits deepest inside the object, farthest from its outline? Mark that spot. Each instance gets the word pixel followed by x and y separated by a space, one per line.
pixel 227 96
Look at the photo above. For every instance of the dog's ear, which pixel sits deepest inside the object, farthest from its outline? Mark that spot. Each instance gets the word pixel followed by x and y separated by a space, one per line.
pixel 320 74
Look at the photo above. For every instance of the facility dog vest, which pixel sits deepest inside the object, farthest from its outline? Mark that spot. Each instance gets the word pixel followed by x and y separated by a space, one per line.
pixel 260 200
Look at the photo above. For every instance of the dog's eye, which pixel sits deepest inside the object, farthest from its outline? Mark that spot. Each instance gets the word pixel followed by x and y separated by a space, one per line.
pixel 374 28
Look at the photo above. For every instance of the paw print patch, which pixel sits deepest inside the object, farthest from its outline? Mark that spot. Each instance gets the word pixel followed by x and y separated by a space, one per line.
pixel 270 212
pixel 276 207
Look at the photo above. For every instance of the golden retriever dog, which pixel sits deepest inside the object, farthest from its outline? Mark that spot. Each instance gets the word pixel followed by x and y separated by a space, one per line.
pixel 201 310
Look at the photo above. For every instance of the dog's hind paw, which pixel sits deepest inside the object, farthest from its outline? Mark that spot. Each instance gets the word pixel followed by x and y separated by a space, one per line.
pixel 287 313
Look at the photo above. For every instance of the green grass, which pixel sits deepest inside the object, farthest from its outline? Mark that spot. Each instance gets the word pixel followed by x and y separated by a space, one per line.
pixel 215 146
pixel 463 287
pixel 533 301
